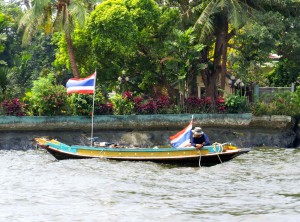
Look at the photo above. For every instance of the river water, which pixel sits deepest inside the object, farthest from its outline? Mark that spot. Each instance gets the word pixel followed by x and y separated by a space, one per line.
pixel 263 185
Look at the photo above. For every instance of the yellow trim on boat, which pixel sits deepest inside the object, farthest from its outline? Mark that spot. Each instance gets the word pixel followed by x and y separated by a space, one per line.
pixel 140 154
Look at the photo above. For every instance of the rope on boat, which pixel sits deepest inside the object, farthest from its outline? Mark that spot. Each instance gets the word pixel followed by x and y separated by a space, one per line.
pixel 200 159
pixel 221 145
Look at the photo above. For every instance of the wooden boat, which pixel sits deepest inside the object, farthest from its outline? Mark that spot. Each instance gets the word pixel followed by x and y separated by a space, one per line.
pixel 206 156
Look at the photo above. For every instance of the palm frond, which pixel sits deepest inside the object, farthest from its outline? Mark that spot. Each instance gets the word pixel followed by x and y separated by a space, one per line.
pixel 205 19
pixel 78 10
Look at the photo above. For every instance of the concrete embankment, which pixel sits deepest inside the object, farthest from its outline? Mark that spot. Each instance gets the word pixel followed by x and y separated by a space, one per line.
pixel 148 130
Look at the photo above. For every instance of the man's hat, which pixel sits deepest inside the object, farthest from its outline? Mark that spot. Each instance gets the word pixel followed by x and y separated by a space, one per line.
pixel 198 131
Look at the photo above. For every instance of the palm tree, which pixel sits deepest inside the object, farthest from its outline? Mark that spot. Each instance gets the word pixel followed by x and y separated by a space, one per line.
pixel 220 20
pixel 52 16
pixel 183 58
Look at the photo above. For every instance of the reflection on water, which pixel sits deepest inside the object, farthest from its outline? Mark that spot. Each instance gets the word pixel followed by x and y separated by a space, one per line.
pixel 262 185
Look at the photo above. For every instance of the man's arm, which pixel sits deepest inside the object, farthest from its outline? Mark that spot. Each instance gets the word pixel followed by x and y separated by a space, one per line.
pixel 206 140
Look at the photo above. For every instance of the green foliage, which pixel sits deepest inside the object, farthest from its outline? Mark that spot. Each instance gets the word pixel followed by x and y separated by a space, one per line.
pixel 260 108
pixel 46 98
pixel 80 104
pixel 4 24
pixel 184 53
pixel 3 82
pixel 13 107
pixel 288 69
pixel 282 103
pixel 154 43
pixel 285 73
pixel 237 103
pixel 122 105
pixel 124 35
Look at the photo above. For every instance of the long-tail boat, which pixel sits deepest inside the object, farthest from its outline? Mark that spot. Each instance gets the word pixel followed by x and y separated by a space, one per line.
pixel 188 156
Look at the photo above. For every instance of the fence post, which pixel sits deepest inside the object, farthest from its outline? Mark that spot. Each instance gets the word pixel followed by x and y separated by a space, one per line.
pixel 293 87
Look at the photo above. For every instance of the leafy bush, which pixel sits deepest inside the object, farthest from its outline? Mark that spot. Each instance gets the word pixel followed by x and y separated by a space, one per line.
pixel 283 103
pixel 122 104
pixel 163 104
pixel 237 104
pixel 260 108
pixel 102 105
pixel 138 104
pixel 220 105
pixel 147 107
pixel 80 104
pixel 199 105
pixel 13 107
pixel 46 98
pixel 104 109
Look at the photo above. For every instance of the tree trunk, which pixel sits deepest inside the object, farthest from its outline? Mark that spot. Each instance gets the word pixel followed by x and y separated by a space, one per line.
pixel 192 82
pixel 71 56
pixel 211 86
pixel 209 77
pixel 220 53
pixel 217 71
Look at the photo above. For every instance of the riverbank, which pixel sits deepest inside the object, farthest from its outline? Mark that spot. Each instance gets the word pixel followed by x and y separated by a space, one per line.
pixel 244 130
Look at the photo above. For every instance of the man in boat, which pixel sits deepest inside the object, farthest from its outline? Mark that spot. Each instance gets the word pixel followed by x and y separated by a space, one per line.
pixel 199 138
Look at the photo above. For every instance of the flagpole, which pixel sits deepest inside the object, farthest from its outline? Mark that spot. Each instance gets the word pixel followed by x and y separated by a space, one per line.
pixel 92 131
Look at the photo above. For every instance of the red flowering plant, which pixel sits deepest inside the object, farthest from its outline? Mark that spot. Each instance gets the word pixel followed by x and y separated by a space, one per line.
pixel 102 104
pixel 46 98
pixel 148 107
pixel 199 105
pixel 13 107
pixel 104 109
pixel 163 103
pixel 127 96
pixel 122 104
pixel 55 99
pixel 193 104
pixel 138 104
pixel 207 105
pixel 220 105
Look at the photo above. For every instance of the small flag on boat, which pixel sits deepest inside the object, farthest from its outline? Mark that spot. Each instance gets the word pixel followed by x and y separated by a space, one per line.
pixel 82 85
pixel 182 138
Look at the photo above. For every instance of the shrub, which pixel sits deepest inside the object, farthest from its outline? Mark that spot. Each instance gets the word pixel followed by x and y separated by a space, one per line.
pixel 138 104
pixel 220 105
pixel 163 104
pixel 148 107
pixel 237 104
pixel 198 105
pixel 80 104
pixel 13 107
pixel 283 103
pixel 192 104
pixel 46 98
pixel 260 108
pixel 104 109
pixel 122 104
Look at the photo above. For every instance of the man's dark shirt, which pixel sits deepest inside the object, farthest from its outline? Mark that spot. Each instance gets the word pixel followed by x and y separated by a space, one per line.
pixel 200 140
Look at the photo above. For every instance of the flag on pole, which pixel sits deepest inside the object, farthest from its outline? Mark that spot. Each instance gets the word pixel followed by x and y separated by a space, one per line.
pixel 82 85
pixel 182 138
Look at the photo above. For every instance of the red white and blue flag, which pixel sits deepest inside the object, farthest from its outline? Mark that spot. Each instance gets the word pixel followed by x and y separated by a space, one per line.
pixel 182 138
pixel 82 85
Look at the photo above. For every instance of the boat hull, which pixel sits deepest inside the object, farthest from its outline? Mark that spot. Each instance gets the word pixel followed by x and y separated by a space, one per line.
pixel 188 157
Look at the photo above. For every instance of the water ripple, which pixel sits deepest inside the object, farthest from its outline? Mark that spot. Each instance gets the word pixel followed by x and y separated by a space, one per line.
pixel 259 186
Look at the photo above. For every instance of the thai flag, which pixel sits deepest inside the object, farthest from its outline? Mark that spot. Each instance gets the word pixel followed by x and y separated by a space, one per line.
pixel 182 138
pixel 82 85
